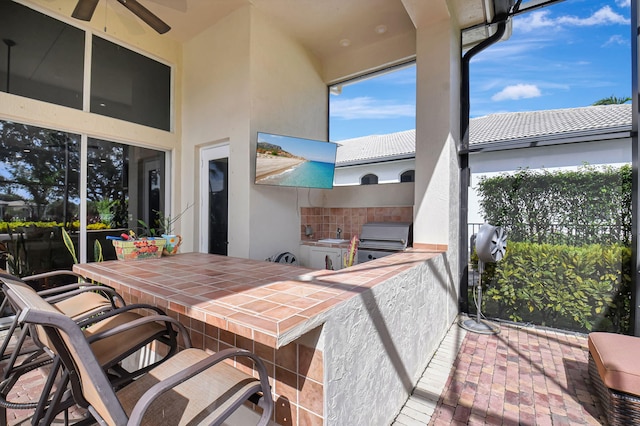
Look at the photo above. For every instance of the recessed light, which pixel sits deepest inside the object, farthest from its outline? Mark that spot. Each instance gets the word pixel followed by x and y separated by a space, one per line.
pixel 381 29
pixel 345 42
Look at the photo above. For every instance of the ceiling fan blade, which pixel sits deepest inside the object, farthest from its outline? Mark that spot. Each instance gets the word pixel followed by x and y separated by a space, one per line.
pixel 84 9
pixel 143 13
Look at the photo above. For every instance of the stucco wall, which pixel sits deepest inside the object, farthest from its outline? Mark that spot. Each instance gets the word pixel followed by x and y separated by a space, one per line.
pixel 437 129
pixel 387 172
pixel 217 100
pixel 381 341
pixel 288 97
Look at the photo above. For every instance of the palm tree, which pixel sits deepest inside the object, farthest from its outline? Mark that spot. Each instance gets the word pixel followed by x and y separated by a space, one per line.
pixel 612 100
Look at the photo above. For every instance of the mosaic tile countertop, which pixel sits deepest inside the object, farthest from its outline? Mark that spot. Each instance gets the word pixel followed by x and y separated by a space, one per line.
pixel 271 303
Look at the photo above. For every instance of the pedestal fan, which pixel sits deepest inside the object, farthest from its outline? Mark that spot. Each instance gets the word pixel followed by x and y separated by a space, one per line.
pixel 491 245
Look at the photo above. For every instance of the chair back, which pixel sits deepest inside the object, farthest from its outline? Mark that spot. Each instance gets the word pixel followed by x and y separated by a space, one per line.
pixel 65 338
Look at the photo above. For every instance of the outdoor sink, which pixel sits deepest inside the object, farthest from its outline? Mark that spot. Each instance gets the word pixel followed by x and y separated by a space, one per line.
pixel 333 241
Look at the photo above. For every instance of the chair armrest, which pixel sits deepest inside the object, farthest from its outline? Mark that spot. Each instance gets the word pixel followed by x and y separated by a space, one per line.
pixel 70 290
pixel 92 320
pixel 54 274
pixel 144 320
pixel 170 382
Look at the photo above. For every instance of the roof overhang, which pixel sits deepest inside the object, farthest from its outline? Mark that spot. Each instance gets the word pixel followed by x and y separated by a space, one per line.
pixel 493 11
pixel 621 132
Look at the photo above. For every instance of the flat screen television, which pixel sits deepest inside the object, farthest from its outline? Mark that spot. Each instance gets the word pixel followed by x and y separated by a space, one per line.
pixel 288 161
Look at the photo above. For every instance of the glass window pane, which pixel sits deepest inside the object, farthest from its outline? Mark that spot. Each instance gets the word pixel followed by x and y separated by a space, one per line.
pixel 125 184
pixel 369 179
pixel 40 57
pixel 39 181
pixel 129 86
pixel 408 176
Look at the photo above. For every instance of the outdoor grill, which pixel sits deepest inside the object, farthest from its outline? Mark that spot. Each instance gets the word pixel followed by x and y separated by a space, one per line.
pixel 379 239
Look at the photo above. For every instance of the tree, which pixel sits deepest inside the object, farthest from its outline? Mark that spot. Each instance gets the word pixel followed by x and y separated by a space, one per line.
pixel 612 100
pixel 40 165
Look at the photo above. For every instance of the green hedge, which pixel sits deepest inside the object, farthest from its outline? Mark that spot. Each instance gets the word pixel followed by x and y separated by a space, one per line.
pixel 581 288
pixel 17 226
pixel 590 205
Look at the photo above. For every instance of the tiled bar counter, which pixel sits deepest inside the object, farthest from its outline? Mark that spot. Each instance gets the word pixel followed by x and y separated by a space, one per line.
pixel 341 347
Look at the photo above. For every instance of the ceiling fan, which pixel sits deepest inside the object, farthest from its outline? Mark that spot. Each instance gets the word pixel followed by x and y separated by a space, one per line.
pixel 85 8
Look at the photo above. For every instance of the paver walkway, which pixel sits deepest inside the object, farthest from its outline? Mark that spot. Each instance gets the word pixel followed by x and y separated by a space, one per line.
pixel 522 376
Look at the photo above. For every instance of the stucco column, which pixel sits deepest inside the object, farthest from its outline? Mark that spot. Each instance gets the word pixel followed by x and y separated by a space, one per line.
pixel 437 118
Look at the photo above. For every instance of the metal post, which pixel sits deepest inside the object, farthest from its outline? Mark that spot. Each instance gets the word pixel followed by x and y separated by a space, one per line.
pixel 10 43
pixel 635 186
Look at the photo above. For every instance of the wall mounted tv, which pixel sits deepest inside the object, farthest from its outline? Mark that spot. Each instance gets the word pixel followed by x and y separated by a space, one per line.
pixel 288 161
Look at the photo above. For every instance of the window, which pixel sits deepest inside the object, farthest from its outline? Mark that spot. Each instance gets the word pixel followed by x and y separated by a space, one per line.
pixel 40 57
pixel 43 58
pixel 373 118
pixel 125 184
pixel 39 194
pixel 369 179
pixel 408 176
pixel 129 86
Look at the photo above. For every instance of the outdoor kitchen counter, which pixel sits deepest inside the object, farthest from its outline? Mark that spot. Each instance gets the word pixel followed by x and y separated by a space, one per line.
pixel 271 303
pixel 308 326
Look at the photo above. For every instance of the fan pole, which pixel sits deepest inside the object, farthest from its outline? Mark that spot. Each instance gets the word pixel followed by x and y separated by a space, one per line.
pixel 477 325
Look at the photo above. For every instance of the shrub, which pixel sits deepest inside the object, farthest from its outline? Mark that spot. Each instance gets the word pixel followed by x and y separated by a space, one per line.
pixel 582 288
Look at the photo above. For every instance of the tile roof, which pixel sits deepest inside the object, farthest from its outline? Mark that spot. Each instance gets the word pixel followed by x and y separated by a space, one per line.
pixel 516 125
pixel 378 147
pixel 492 128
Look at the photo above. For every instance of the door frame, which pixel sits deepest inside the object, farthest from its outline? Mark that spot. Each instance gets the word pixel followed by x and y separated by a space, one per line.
pixel 208 153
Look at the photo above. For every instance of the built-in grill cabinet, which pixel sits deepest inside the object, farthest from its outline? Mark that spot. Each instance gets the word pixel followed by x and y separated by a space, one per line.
pixel 379 239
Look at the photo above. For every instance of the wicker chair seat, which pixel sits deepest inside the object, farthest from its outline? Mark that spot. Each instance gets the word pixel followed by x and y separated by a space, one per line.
pixel 615 372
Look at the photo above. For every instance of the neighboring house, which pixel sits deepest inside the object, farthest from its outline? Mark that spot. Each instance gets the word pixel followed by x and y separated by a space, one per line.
pixel 385 156
pixel 496 143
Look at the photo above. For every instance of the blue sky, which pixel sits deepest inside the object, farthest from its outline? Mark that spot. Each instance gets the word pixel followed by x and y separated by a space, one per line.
pixel 567 55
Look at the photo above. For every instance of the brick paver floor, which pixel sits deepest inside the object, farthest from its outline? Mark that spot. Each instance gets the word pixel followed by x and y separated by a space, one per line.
pixel 27 390
pixel 521 376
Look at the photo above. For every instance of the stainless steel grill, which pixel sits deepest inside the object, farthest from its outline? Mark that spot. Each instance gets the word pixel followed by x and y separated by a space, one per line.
pixel 379 239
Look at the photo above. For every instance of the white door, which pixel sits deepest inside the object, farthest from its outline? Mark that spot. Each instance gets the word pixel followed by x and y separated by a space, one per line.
pixel 214 190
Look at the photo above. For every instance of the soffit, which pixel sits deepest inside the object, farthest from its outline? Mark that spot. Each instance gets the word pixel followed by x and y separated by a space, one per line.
pixel 321 25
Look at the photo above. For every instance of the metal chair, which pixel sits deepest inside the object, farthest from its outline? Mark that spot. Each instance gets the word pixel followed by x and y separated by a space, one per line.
pixel 113 335
pixel 191 387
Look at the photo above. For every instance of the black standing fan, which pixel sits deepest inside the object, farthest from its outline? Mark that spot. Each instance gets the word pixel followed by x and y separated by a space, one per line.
pixel 491 244
pixel 85 8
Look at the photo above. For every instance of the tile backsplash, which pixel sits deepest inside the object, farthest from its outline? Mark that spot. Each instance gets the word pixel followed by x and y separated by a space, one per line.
pixel 326 220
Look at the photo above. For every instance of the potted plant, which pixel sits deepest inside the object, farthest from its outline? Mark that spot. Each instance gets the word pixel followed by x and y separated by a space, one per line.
pixel 164 229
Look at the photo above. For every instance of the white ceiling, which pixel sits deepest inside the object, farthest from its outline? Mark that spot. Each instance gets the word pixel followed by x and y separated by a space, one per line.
pixel 320 25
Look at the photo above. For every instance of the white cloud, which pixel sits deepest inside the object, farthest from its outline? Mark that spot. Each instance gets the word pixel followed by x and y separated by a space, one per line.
pixel 541 19
pixel 616 39
pixel 601 17
pixel 517 91
pixel 370 108
pixel 623 3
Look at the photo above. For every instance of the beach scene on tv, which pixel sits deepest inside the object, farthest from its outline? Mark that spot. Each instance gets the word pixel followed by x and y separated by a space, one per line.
pixel 290 161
